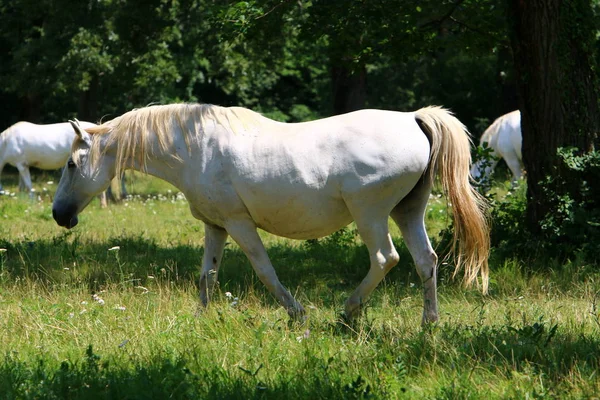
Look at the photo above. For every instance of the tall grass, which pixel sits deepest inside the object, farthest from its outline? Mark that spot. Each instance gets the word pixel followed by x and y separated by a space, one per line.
pixel 107 310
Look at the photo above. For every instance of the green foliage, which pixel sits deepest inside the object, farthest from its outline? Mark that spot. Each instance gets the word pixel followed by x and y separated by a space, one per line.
pixel 574 222
pixel 509 235
pixel 99 59
pixel 570 230
pixel 484 159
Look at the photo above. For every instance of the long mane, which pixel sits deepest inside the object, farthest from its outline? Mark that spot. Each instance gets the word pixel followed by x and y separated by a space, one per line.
pixel 137 132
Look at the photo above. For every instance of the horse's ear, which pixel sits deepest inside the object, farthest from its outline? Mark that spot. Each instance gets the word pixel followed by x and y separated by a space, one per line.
pixel 79 131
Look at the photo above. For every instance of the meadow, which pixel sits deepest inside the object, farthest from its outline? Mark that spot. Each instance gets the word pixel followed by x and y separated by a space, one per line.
pixel 108 310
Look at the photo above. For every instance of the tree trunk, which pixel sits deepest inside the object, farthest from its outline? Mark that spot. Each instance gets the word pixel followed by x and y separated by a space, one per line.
pixel 31 108
pixel 349 88
pixel 553 45
pixel 88 102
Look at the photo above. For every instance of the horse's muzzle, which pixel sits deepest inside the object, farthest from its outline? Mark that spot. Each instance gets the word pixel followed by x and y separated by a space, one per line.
pixel 65 217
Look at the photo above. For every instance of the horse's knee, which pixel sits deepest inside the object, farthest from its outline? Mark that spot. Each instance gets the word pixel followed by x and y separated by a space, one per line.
pixel 387 260
pixel 426 265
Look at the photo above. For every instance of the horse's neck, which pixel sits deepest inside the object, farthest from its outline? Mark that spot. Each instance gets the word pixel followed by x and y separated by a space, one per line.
pixel 162 163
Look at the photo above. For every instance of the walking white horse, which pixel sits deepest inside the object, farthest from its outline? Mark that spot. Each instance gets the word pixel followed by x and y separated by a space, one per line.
pixel 48 147
pixel 241 171
pixel 503 136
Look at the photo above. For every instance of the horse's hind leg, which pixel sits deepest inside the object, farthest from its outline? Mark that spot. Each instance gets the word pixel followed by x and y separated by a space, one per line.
pixel 382 253
pixel 514 165
pixel 214 243
pixel 409 216
pixel 244 233
pixel 103 200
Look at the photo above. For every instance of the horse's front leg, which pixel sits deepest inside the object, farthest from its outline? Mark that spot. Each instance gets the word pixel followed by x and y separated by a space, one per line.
pixel 383 256
pixel 1 169
pixel 25 183
pixel 214 243
pixel 244 233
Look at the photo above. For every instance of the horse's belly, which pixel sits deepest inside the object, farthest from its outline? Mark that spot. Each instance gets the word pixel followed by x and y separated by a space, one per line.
pixel 46 160
pixel 45 164
pixel 301 218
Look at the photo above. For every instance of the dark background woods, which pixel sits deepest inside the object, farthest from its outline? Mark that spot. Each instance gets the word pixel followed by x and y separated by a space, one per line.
pixel 299 60
pixel 292 60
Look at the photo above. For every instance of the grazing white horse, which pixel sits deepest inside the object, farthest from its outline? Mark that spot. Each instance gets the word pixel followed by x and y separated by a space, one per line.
pixel 241 171
pixel 503 136
pixel 25 145
pixel 47 147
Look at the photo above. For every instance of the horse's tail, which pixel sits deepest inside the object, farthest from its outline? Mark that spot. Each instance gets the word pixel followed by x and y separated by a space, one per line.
pixel 451 158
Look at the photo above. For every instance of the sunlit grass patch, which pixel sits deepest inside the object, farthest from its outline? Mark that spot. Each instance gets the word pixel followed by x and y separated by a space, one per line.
pixel 108 310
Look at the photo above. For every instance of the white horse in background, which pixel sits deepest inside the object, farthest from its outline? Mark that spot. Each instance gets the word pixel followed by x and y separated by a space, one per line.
pixel 503 136
pixel 241 171
pixel 47 147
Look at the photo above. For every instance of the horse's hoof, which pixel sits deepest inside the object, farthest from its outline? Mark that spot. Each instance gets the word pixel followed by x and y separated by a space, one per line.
pixel 199 311
pixel 297 317
pixel 297 322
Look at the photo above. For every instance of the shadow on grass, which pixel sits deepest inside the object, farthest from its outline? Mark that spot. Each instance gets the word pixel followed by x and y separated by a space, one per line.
pixel 164 378
pixel 534 350
pixel 65 259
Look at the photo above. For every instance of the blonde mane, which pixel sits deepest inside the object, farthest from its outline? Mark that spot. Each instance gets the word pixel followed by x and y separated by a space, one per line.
pixel 136 132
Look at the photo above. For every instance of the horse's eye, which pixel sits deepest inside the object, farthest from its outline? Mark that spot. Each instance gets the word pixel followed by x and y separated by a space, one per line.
pixel 71 164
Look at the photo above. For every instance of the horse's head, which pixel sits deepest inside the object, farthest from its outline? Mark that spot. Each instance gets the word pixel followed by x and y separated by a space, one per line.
pixel 83 178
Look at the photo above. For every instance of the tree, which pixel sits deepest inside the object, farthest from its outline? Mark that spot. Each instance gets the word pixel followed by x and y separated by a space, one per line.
pixel 554 44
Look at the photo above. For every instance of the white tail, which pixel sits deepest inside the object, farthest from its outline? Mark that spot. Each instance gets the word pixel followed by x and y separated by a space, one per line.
pixel 451 160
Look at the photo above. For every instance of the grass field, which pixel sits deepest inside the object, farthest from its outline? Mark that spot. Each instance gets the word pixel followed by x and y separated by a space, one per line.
pixel 107 310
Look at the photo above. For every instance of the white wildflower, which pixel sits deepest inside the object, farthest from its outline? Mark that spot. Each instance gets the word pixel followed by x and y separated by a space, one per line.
pixel 304 336
pixel 98 299
pixel 114 248
pixel 143 289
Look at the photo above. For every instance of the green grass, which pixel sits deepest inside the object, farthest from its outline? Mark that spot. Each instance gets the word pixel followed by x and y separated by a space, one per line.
pixel 81 321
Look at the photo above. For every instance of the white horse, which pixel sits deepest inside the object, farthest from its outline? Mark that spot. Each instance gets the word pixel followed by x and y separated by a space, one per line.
pixel 503 136
pixel 47 147
pixel 241 171
pixel 25 145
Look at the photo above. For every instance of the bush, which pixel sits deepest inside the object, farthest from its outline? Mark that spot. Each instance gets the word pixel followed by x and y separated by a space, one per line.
pixel 570 230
